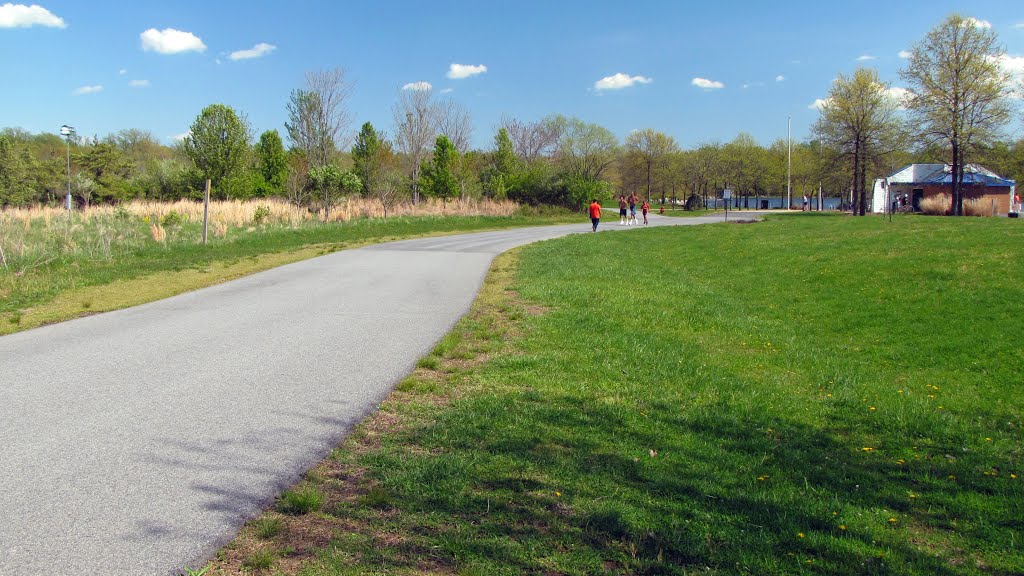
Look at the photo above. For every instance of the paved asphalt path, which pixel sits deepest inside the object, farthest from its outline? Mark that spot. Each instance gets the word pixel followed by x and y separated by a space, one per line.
pixel 139 441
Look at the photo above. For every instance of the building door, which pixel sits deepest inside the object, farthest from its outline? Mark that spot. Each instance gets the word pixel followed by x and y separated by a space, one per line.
pixel 915 200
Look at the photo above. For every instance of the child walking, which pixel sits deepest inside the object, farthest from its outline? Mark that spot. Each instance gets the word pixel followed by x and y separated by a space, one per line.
pixel 645 208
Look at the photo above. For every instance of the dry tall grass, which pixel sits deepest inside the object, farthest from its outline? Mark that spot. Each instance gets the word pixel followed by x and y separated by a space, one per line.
pixel 978 207
pixel 937 205
pixel 240 212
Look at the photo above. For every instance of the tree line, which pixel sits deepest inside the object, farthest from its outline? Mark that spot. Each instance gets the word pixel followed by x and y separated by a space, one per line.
pixel 956 110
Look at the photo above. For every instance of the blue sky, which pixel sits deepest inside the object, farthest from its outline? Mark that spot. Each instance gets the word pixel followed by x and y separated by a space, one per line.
pixel 757 62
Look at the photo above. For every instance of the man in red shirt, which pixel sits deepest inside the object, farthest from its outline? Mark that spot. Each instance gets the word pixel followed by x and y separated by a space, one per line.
pixel 595 213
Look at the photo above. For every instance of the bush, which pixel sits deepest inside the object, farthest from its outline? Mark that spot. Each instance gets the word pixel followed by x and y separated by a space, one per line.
pixel 261 214
pixel 172 218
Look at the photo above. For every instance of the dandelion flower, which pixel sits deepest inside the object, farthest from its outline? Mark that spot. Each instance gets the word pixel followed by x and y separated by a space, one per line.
pixel 867 449
pixel 800 535
pixel 872 408
pixel 892 520
pixel 842 526
pixel 988 439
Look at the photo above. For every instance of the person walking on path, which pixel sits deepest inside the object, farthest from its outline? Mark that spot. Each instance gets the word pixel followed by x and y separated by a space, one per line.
pixel 806 200
pixel 632 208
pixel 645 208
pixel 595 213
pixel 622 209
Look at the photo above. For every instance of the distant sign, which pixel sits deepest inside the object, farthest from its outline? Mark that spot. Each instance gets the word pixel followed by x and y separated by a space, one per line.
pixel 726 194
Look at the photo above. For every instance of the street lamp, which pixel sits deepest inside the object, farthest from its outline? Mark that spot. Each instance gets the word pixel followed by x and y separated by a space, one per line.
pixel 68 132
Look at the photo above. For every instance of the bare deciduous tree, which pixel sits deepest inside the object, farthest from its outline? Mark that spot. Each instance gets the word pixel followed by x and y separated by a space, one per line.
pixel 454 122
pixel 318 119
pixel 415 116
pixel 532 140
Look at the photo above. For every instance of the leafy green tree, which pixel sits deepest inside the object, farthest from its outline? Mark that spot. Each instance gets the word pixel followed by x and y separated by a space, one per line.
pixel 15 183
pixel 859 122
pixel 108 169
pixel 438 175
pixel 370 154
pixel 959 91
pixel 218 143
pixel 330 182
pixel 584 150
pixel 502 167
pixel 649 149
pixel 271 164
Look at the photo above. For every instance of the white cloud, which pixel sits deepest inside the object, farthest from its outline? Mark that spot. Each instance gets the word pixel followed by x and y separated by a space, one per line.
pixel 181 137
pixel 865 58
pixel 818 104
pixel 261 49
pixel 122 72
pixel 21 16
pixel 447 90
pixel 459 71
pixel 971 20
pixel 619 81
pixel 904 54
pixel 1014 66
pixel 170 41
pixel 139 83
pixel 81 90
pixel 1019 25
pixel 706 84
pixel 421 85
pixel 901 95
pixel 780 78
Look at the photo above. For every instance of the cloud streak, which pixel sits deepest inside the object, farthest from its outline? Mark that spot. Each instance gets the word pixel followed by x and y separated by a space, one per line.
pixel 866 58
pixel 705 84
pixel 460 71
pixel 421 85
pixel 83 90
pixel 257 51
pixel 139 83
pixel 170 41
pixel 620 81
pixel 22 16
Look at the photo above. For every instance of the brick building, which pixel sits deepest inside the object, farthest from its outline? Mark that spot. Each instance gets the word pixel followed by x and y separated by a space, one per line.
pixel 920 181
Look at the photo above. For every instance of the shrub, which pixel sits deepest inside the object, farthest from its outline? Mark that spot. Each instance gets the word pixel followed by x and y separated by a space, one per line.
pixel 936 205
pixel 172 218
pixel 299 501
pixel 261 214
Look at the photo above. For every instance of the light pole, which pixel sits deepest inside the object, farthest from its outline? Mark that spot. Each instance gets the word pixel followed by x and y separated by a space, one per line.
pixel 68 132
pixel 789 161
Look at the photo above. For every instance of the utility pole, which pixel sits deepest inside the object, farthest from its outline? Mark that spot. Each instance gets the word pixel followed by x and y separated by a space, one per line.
pixel 789 161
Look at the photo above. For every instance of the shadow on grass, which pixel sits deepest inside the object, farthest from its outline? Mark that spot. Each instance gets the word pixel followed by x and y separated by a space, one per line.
pixel 753 494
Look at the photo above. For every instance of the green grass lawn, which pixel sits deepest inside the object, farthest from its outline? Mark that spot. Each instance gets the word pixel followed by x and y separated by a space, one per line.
pixel 812 394
pixel 109 263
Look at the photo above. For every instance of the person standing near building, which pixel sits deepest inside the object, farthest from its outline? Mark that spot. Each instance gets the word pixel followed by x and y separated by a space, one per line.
pixel 595 213
pixel 1016 201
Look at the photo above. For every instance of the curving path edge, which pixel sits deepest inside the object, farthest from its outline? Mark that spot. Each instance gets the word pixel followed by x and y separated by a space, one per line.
pixel 139 441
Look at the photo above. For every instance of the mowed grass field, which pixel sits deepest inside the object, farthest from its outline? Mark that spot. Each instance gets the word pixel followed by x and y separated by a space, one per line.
pixel 812 394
